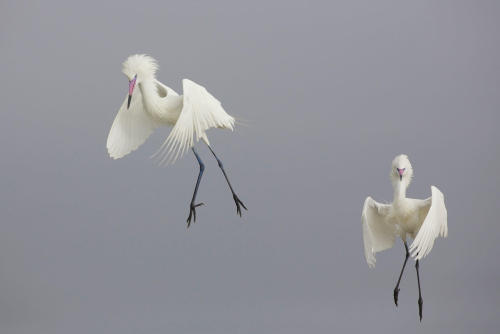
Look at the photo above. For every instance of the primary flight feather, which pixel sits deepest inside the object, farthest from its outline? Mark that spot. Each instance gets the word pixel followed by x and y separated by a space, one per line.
pixel 150 104
pixel 153 104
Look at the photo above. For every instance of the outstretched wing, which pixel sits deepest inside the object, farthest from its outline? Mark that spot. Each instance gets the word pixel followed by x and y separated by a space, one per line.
pixel 200 112
pixel 378 233
pixel 435 224
pixel 130 128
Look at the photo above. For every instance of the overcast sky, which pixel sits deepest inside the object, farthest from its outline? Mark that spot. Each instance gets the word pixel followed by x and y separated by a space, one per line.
pixel 328 93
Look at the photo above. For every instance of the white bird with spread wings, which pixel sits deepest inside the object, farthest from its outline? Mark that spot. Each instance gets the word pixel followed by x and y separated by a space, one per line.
pixel 423 220
pixel 150 104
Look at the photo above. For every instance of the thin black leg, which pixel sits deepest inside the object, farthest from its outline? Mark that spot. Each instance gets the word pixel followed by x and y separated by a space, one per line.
pixel 235 197
pixel 193 206
pixel 420 300
pixel 396 289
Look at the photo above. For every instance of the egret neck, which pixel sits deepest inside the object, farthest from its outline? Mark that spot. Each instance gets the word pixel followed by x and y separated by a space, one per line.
pixel 400 190
pixel 150 98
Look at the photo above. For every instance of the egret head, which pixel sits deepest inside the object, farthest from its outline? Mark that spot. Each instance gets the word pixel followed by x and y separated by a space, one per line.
pixel 401 170
pixel 138 68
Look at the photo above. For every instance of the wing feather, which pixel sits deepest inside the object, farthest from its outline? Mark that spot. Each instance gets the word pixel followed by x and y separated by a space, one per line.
pixel 435 224
pixel 378 233
pixel 130 128
pixel 200 112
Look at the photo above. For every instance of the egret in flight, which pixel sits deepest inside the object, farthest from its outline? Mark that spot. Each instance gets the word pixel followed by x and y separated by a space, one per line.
pixel 150 104
pixel 421 219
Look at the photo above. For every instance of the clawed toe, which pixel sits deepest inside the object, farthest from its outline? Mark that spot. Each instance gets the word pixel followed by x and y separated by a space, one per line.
pixel 238 203
pixel 420 304
pixel 192 213
pixel 396 293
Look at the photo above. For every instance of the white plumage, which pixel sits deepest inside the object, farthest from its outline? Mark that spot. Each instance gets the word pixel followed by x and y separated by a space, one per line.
pixel 130 128
pixel 153 104
pixel 423 220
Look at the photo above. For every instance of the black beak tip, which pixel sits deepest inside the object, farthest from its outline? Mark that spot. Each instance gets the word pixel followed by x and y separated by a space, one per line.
pixel 129 99
pixel 400 177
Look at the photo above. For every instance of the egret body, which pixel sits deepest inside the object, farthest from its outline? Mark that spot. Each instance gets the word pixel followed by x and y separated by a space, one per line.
pixel 423 220
pixel 150 104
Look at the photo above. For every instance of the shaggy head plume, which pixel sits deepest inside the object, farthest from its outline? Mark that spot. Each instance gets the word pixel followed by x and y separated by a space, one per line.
pixel 141 65
pixel 402 169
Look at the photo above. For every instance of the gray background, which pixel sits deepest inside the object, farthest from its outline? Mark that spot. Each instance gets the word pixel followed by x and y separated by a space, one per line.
pixel 329 92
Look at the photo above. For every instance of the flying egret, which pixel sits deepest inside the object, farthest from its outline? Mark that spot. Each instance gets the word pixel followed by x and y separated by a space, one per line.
pixel 150 104
pixel 422 220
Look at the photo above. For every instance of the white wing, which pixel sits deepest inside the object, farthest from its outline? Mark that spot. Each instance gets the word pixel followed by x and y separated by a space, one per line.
pixel 378 233
pixel 130 128
pixel 435 224
pixel 200 112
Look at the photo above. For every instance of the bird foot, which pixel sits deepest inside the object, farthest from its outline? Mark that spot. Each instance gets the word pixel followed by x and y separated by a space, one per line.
pixel 238 203
pixel 420 303
pixel 396 293
pixel 192 212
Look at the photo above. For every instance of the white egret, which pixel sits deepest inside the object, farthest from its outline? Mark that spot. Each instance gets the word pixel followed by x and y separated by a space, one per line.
pixel 422 220
pixel 150 104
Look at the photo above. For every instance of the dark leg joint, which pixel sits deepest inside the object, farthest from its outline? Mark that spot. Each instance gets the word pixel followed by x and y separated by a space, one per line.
pixel 420 300
pixel 420 305
pixel 192 205
pixel 237 201
pixel 396 289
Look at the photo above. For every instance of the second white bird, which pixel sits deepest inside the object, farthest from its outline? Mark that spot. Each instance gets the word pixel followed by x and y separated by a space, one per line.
pixel 422 220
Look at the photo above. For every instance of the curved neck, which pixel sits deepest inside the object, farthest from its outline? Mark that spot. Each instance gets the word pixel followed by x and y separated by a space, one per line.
pixel 150 99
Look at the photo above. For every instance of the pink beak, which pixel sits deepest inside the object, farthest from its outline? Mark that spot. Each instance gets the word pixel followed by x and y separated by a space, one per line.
pixel 401 171
pixel 131 85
